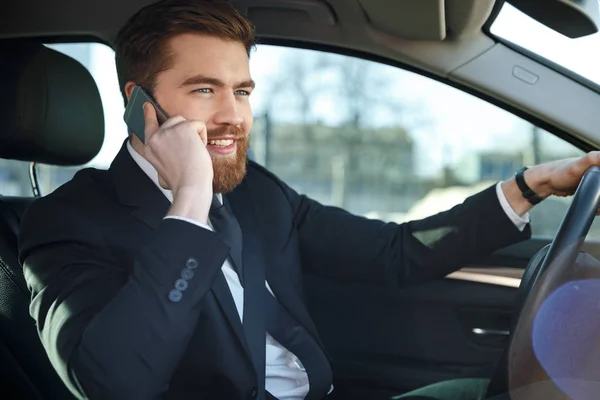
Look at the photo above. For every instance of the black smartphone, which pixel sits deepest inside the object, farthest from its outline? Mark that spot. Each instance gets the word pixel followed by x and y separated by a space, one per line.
pixel 134 112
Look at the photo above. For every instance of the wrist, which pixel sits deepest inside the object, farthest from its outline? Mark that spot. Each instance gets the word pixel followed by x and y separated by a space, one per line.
pixel 191 203
pixel 515 199
pixel 193 192
pixel 538 180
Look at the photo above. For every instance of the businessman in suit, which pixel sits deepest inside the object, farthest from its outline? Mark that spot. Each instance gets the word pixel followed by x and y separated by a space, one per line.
pixel 177 272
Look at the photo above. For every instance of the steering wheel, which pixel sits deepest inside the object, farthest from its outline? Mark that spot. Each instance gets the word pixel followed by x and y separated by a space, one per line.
pixel 564 249
pixel 552 268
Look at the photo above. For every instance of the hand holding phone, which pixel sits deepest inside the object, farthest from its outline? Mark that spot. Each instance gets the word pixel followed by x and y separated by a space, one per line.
pixel 134 113
pixel 175 146
pixel 177 150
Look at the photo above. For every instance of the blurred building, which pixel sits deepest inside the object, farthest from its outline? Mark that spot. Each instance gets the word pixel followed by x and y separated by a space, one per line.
pixel 487 166
pixel 362 170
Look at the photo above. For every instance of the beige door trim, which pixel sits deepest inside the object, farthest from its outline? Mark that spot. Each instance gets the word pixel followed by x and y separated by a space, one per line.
pixel 499 276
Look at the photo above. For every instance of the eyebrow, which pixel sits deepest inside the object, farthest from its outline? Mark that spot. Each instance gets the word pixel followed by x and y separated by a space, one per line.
pixel 207 80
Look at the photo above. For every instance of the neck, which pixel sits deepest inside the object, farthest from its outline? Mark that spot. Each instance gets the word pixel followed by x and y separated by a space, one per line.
pixel 137 145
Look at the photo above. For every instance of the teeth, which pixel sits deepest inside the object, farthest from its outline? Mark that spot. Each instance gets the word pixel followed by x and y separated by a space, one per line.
pixel 221 143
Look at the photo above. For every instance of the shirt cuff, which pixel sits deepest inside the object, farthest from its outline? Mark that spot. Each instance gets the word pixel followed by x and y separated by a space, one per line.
pixel 191 221
pixel 519 221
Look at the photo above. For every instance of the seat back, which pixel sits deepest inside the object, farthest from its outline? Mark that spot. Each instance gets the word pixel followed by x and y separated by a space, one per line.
pixel 39 85
pixel 28 371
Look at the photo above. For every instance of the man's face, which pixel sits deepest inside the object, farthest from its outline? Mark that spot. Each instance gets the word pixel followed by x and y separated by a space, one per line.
pixel 210 81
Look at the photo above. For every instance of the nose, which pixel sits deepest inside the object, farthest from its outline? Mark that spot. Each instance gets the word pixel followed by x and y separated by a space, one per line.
pixel 228 112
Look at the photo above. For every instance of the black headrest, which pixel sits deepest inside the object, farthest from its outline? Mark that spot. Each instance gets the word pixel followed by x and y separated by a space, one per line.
pixel 50 107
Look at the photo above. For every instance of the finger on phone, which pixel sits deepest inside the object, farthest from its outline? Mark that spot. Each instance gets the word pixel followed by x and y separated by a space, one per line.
pixel 176 120
pixel 201 129
pixel 150 120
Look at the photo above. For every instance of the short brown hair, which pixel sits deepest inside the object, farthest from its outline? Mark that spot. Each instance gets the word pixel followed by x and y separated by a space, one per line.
pixel 140 51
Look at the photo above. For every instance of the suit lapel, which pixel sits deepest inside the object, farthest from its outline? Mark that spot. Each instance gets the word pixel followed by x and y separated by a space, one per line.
pixel 149 205
pixel 289 298
pixel 253 270
pixel 235 257
pixel 135 189
pixel 220 289
pixel 253 250
pixel 244 203
pixel 223 295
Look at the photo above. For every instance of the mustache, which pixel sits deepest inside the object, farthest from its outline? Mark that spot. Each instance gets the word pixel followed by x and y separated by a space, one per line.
pixel 228 130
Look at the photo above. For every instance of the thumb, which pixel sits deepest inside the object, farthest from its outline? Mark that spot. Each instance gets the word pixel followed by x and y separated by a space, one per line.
pixel 203 134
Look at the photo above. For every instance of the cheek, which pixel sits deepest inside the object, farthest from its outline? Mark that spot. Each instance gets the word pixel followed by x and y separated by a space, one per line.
pixel 193 108
pixel 198 113
pixel 182 103
pixel 248 118
pixel 177 105
pixel 248 124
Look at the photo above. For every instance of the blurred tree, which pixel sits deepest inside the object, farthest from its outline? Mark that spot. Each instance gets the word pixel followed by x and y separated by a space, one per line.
pixel 362 143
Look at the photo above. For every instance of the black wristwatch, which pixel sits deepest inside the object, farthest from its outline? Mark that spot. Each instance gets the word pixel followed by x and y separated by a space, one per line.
pixel 526 191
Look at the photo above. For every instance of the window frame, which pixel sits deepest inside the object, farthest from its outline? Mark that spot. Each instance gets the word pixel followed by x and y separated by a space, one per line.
pixel 487 29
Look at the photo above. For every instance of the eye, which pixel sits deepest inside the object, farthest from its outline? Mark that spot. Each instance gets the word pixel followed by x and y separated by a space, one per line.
pixel 203 90
pixel 242 92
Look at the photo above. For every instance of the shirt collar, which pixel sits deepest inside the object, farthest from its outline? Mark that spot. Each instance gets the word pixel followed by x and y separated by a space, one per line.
pixel 152 173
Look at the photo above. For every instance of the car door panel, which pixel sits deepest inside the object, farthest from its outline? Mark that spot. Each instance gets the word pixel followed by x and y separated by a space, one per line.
pixel 387 340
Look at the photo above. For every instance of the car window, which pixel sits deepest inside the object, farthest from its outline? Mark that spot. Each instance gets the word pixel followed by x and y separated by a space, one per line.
pixel 386 143
pixel 374 139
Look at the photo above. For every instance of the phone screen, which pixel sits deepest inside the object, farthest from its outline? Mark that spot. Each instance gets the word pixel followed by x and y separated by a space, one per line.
pixel 134 112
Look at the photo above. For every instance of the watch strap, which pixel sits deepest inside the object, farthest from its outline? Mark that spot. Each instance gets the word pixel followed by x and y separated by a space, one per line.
pixel 526 191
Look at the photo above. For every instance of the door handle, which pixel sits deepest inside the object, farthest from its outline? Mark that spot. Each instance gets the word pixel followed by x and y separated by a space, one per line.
pixel 489 332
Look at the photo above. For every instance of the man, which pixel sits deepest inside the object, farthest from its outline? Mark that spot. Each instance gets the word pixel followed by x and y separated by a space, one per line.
pixel 145 285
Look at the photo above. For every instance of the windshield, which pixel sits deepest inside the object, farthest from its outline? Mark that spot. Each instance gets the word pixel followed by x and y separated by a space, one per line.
pixel 582 55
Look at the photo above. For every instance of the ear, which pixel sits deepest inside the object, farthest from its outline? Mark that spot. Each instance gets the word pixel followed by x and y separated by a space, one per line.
pixel 128 89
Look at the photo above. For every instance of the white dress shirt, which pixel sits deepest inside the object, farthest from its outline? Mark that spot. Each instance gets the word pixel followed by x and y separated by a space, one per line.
pixel 286 379
pixel 284 376
pixel 519 221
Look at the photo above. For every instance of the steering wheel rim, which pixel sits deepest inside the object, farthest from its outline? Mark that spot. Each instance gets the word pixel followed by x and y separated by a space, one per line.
pixel 570 236
pixel 550 268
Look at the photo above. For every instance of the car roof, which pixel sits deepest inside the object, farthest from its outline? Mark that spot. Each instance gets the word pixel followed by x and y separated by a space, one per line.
pixel 377 27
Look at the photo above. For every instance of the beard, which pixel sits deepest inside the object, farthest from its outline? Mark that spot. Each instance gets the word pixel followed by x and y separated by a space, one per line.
pixel 229 171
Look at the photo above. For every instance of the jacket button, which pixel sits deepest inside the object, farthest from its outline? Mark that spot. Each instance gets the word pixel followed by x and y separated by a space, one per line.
pixel 175 296
pixel 181 284
pixel 187 274
pixel 253 393
pixel 191 263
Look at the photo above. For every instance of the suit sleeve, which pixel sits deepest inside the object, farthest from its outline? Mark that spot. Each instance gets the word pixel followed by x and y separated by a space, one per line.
pixel 114 331
pixel 337 244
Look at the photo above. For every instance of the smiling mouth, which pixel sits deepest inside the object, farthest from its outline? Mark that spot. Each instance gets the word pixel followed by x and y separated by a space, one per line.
pixel 221 142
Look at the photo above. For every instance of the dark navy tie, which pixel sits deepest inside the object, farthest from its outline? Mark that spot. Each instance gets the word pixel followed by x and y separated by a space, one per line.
pixel 258 302
pixel 225 224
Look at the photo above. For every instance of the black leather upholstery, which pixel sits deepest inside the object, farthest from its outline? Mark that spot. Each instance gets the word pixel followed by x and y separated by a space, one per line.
pixel 50 107
pixel 24 358
pixel 51 113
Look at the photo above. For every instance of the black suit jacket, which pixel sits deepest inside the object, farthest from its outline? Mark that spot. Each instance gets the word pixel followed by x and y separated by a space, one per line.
pixel 100 261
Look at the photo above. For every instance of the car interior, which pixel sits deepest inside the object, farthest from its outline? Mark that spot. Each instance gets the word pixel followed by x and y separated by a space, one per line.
pixel 383 341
